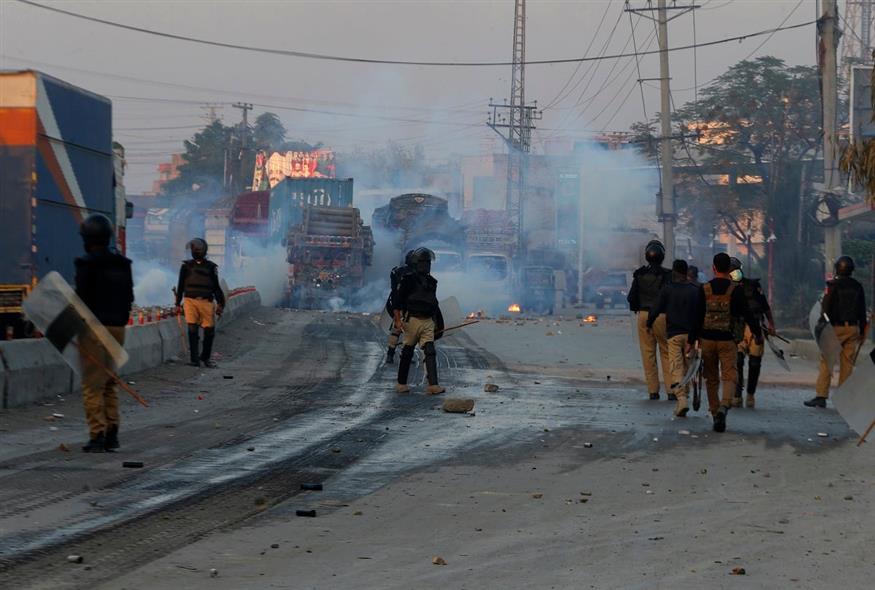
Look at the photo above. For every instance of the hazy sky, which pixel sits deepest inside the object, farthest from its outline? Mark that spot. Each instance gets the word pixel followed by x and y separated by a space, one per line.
pixel 158 86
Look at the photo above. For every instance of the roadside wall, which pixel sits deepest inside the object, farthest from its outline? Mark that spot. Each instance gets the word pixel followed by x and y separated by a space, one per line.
pixel 32 370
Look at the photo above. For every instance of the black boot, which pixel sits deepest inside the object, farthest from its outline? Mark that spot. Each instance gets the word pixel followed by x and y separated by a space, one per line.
pixel 431 371
pixel 95 445
pixel 193 345
pixel 206 355
pixel 404 369
pixel 110 441
pixel 816 402
pixel 720 419
pixel 390 355
pixel 739 382
pixel 753 373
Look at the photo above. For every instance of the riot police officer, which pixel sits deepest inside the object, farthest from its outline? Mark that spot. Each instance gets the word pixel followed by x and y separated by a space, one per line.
pixel 844 307
pixel 104 283
pixel 647 282
pixel 199 285
pixel 418 315
pixel 748 346
pixel 395 277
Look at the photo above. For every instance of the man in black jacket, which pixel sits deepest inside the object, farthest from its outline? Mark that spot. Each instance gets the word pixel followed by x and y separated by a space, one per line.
pixel 647 282
pixel 679 301
pixel 104 283
pixel 844 307
pixel 395 277
pixel 199 284
pixel 418 315
pixel 722 312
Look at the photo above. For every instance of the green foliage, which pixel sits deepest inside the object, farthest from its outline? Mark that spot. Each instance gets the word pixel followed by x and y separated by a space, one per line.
pixel 268 133
pixel 204 161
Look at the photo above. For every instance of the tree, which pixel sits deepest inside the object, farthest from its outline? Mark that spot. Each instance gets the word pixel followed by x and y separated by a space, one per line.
pixel 268 132
pixel 744 153
pixel 858 159
pixel 204 157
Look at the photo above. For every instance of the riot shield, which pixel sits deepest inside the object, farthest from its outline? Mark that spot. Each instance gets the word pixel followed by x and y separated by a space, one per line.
pixel 62 317
pixel 692 369
pixel 854 399
pixel 824 335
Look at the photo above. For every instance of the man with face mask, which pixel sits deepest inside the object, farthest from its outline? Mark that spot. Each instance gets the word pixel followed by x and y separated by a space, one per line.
pixel 199 285
pixel 748 346
pixel 647 282
pixel 418 315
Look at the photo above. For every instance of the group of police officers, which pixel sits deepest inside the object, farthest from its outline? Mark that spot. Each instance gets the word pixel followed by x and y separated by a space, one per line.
pixel 104 282
pixel 726 321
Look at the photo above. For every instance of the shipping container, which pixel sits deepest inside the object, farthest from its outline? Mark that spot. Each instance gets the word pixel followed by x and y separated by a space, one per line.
pixel 289 196
pixel 57 162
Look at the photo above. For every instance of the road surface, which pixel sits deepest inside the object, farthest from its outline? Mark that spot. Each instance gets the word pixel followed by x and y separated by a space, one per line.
pixel 562 478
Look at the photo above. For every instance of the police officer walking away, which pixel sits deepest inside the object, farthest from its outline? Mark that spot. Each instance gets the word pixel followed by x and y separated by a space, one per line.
pixel 722 309
pixel 418 315
pixel 647 282
pixel 394 281
pixel 762 311
pixel 679 301
pixel 843 306
pixel 105 285
pixel 199 285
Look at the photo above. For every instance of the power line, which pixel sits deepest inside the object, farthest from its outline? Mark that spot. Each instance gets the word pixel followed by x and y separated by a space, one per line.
pixel 325 57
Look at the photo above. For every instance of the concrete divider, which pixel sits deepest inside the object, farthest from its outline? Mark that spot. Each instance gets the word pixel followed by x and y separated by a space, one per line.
pixel 32 370
pixel 143 344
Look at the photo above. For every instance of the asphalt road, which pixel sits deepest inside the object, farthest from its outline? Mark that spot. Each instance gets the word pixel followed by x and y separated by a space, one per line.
pixel 305 398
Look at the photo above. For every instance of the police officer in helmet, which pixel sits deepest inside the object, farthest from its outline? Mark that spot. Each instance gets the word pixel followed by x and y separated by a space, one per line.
pixel 104 283
pixel 647 282
pixel 418 315
pixel 843 306
pixel 395 277
pixel 759 306
pixel 201 296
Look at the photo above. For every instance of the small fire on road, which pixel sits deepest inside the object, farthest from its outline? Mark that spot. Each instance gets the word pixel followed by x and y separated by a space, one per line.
pixel 590 319
pixel 514 308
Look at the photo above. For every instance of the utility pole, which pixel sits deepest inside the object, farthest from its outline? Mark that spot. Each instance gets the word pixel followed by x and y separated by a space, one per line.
pixel 828 29
pixel 245 107
pixel 665 206
pixel 515 128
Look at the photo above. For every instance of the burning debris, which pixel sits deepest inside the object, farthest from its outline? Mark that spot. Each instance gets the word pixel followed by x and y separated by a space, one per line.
pixel 514 308
pixel 590 319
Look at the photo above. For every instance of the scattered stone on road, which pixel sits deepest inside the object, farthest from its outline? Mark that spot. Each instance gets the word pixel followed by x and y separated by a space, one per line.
pixel 75 558
pixel 738 571
pixel 214 573
pixel 537 496
pixel 438 560
pixel 490 388
pixel 64 448
pixel 458 405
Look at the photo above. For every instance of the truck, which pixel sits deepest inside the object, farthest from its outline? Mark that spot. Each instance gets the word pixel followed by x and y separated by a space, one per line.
pixel 490 241
pixel 58 167
pixel 414 220
pixel 328 252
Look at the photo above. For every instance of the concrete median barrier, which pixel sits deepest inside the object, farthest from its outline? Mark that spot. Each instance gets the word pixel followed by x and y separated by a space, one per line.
pixel 33 371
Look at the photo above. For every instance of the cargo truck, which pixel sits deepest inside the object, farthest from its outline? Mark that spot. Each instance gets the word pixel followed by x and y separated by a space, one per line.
pixel 58 167
pixel 328 252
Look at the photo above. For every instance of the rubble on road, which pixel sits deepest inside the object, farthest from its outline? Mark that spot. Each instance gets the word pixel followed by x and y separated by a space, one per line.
pixel 438 560
pixel 490 388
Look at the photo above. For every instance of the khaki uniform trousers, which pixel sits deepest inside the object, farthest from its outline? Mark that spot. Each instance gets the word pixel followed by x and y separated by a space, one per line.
pixel 199 311
pixel 850 339
pixel 99 396
pixel 748 344
pixel 678 363
pixel 718 364
pixel 418 331
pixel 649 343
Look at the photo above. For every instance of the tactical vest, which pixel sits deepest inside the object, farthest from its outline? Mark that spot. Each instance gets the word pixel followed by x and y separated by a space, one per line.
pixel 844 304
pixel 718 309
pixel 395 278
pixel 422 300
pixel 751 293
pixel 649 285
pixel 199 280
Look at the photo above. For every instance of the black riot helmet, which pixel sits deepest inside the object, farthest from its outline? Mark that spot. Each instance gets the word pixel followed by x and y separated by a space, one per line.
pixel 735 264
pixel 96 230
pixel 654 253
pixel 844 266
pixel 198 248
pixel 408 258
pixel 421 259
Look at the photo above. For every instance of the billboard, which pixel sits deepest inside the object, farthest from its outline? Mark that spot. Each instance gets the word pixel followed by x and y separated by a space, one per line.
pixel 272 169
